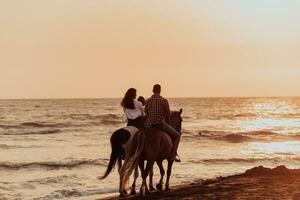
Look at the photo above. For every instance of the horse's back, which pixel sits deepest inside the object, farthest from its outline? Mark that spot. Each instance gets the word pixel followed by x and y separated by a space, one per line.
pixel 126 134
pixel 123 136
pixel 120 136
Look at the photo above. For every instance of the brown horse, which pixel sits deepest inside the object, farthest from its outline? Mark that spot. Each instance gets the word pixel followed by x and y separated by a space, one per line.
pixel 152 146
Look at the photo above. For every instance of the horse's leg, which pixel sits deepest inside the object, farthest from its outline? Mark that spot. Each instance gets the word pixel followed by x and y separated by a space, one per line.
pixel 136 174
pixel 169 171
pixel 151 180
pixel 127 185
pixel 124 182
pixel 121 190
pixel 162 173
pixel 142 168
pixel 149 166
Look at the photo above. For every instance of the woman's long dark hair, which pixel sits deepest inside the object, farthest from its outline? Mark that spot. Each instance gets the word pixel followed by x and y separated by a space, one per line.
pixel 127 101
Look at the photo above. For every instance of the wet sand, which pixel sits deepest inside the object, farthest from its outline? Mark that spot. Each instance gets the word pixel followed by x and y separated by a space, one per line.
pixel 256 183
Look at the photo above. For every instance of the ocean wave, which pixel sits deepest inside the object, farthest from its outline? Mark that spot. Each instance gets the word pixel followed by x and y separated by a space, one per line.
pixel 53 179
pixel 273 135
pixel 106 119
pixel 8 126
pixel 71 193
pixel 61 194
pixel 236 116
pixel 235 160
pixel 35 125
pixel 38 132
pixel 89 116
pixel 51 165
pixel 5 146
pixel 260 133
pixel 225 136
pixel 86 120
pixel 44 125
pixel 207 133
pixel 232 116
pixel 236 138
pixel 79 116
pixel 288 116
pixel 251 133
pixel 241 137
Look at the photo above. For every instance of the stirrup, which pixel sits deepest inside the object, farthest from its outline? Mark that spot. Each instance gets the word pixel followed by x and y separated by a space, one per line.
pixel 177 158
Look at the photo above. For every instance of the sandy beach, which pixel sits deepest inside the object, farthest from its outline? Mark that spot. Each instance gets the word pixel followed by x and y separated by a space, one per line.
pixel 256 183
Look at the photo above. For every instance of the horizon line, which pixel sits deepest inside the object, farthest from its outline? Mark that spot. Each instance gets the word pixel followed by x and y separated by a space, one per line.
pixel 180 97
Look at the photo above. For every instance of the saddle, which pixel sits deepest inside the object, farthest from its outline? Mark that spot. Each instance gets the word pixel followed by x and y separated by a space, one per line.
pixel 167 138
pixel 132 130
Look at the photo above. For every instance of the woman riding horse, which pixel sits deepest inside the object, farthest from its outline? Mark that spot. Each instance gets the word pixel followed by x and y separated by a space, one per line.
pixel 121 138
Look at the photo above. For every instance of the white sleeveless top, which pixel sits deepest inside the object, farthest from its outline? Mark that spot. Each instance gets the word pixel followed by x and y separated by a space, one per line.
pixel 134 113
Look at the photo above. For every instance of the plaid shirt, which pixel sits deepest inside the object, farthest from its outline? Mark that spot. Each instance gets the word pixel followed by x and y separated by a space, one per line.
pixel 157 110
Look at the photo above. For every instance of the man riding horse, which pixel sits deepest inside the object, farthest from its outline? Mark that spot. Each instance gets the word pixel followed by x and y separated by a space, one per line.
pixel 152 144
pixel 158 116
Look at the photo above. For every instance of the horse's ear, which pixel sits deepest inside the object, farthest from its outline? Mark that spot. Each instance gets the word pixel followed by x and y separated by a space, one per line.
pixel 180 111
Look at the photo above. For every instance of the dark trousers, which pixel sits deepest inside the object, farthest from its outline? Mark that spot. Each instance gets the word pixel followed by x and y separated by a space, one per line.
pixel 138 122
pixel 173 133
pixel 167 128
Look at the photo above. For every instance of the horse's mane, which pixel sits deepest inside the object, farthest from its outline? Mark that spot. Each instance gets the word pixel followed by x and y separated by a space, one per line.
pixel 174 112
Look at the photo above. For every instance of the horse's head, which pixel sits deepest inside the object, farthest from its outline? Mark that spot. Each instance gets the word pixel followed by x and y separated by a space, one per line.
pixel 176 119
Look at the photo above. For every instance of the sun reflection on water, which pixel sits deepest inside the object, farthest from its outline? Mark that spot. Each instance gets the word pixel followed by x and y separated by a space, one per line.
pixel 271 115
pixel 286 148
pixel 277 116
pixel 268 124
pixel 272 108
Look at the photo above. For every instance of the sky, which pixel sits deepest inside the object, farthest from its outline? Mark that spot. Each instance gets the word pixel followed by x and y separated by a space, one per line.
pixel 193 48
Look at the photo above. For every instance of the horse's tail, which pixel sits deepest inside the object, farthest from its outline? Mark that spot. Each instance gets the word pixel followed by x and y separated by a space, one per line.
pixel 133 161
pixel 118 138
pixel 112 161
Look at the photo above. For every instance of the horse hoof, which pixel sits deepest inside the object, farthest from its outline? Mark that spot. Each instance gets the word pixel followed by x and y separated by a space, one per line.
pixel 121 195
pixel 141 194
pixel 152 189
pixel 159 187
pixel 168 188
pixel 147 192
pixel 133 192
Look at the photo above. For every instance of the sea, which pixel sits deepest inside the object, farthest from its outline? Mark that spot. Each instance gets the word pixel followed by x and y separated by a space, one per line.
pixel 56 149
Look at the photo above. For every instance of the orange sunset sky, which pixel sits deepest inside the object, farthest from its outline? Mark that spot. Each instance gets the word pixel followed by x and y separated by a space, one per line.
pixel 193 48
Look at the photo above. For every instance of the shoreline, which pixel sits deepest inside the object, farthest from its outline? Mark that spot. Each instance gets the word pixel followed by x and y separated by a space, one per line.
pixel 255 183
